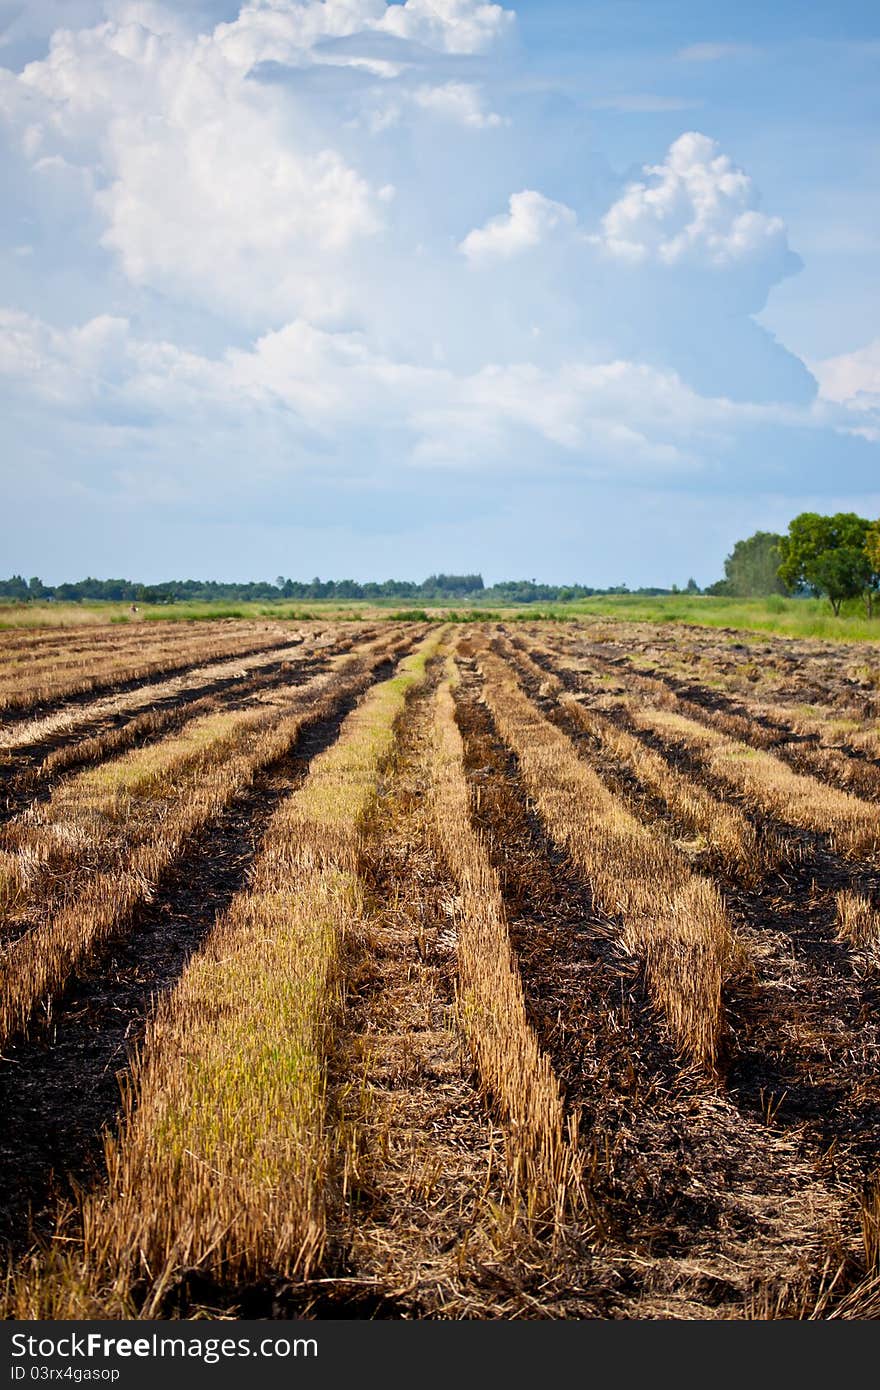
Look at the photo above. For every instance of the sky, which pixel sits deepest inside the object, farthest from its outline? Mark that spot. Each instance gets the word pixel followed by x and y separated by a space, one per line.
pixel 580 292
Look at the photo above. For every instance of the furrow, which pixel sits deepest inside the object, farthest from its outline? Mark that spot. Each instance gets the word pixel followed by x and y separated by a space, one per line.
pixel 726 837
pixel 60 1088
pixel 45 690
pixel 232 1079
pixel 673 919
pixel 115 725
pixel 707 1211
pixel 840 750
pixel 852 825
pixel 124 825
pixel 514 1070
pixel 433 1220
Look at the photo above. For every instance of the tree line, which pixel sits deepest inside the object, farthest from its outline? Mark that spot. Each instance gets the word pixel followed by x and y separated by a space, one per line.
pixel 437 587
pixel 836 557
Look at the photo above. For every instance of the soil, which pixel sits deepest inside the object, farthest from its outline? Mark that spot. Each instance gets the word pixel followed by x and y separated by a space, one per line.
pixel 734 1196
pixel 60 1086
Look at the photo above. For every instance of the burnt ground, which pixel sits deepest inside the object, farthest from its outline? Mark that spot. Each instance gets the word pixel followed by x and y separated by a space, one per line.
pixel 60 1086
pixel 792 670
pixel 804 1037
pixel 710 1201
pixel 717 1201
pixel 410 1239
pixel 842 764
pixel 22 783
pixel 14 714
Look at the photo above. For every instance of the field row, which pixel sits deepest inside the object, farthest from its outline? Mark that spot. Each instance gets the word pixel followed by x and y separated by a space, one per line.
pixel 530 992
pixel 44 674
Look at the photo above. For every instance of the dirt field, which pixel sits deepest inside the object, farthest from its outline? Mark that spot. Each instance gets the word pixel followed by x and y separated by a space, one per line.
pixel 422 970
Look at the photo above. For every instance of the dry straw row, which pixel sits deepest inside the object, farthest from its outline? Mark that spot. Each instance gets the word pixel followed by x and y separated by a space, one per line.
pixel 224 1157
pixel 790 784
pixel 69 721
pixel 541 1148
pixel 137 813
pixel 852 825
pixel 728 834
pixel 25 683
pixel 674 920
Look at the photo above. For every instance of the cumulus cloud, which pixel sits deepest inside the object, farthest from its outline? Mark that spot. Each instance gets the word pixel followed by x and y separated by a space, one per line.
pixel 852 378
pixel 205 186
pixel 303 31
pixel 530 220
pixel 64 367
pixel 696 208
pixel 457 101
pixel 454 26
pixel 215 186
pixel 599 419
pixel 248 275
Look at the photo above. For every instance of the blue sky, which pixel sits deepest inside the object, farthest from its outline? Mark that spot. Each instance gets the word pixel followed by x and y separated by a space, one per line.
pixel 582 292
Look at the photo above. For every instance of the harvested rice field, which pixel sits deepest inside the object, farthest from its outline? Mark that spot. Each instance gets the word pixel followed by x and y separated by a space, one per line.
pixel 438 970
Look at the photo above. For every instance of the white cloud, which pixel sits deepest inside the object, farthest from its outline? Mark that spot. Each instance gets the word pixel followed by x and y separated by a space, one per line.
pixel 457 101
pixel 347 337
pixel 460 103
pixel 696 208
pixel 530 220
pixel 214 187
pixel 63 367
pixel 322 390
pixel 453 26
pixel 301 31
pixel 207 188
pixel 852 378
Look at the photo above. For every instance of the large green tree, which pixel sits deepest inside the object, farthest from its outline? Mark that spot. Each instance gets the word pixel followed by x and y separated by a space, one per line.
pixel 827 555
pixel 752 568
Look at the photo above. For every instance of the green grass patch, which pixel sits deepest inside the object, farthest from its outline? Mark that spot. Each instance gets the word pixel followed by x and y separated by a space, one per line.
pixel 803 618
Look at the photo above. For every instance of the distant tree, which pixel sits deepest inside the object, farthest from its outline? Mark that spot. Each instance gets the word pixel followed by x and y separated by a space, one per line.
pixel 827 555
pixel 452 585
pixel 154 593
pixel 16 587
pixel 872 550
pixel 751 570
pixel 692 587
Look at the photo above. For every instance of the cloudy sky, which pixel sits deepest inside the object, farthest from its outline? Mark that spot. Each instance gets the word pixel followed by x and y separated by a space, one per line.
pixel 577 291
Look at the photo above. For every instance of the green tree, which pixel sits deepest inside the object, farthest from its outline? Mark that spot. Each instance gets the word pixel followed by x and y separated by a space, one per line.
pixel 827 555
pixel 16 588
pixel 872 550
pixel 752 568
